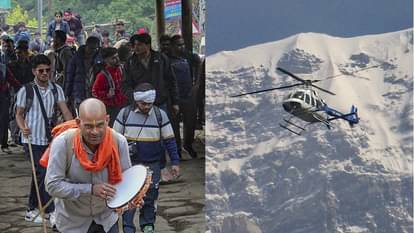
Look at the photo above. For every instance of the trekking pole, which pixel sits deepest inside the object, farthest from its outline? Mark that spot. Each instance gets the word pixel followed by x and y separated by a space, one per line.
pixel 76 107
pixel 45 206
pixel 48 203
pixel 42 213
pixel 120 222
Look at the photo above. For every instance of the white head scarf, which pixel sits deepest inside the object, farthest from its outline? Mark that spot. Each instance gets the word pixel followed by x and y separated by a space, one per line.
pixel 145 96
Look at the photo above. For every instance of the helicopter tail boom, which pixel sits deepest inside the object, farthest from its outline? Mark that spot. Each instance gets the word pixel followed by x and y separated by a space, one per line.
pixel 351 117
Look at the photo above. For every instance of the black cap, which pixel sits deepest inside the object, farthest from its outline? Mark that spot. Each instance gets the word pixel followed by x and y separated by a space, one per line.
pixel 22 44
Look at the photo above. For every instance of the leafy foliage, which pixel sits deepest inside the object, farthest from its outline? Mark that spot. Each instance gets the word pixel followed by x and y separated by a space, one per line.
pixel 29 6
pixel 18 14
pixel 135 13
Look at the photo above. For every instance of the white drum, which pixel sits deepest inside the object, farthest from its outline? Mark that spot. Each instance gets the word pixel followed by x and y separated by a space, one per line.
pixel 132 189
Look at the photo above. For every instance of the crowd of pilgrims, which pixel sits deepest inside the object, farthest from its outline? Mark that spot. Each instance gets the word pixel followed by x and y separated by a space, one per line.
pixel 106 67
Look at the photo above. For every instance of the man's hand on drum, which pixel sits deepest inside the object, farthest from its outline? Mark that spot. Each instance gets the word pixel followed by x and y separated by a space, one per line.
pixel 104 190
pixel 175 171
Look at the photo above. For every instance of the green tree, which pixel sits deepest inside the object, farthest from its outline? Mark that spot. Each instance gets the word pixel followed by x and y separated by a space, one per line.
pixel 18 14
pixel 28 5
pixel 135 13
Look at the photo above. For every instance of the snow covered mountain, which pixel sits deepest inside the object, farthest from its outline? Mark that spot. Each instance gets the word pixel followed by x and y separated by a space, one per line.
pixel 264 179
pixel 235 24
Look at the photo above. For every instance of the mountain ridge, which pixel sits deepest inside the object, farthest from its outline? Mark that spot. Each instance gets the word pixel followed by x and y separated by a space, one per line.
pixel 246 23
pixel 256 167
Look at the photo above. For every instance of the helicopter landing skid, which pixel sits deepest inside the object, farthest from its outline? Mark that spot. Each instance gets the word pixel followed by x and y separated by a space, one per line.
pixel 294 126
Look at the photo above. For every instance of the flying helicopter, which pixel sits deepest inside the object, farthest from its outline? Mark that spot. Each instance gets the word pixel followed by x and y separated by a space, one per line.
pixel 306 105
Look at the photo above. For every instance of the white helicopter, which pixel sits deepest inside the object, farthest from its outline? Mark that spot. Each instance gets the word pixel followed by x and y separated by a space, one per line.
pixel 306 105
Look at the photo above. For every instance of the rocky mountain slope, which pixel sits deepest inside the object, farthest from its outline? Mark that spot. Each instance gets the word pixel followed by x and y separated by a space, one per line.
pixel 263 179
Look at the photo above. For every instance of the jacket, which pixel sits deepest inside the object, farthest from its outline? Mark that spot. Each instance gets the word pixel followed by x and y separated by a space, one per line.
pixel 148 140
pixel 158 74
pixel 75 25
pixel 100 88
pixel 51 28
pixel 8 80
pixel 22 70
pixel 182 71
pixel 6 58
pixel 78 80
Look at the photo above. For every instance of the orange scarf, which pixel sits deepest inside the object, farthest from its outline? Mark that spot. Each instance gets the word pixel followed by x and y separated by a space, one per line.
pixel 56 131
pixel 106 156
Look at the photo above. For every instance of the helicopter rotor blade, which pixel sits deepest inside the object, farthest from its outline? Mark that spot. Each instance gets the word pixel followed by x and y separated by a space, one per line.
pixel 320 88
pixel 341 74
pixel 270 89
pixel 290 74
pixel 353 72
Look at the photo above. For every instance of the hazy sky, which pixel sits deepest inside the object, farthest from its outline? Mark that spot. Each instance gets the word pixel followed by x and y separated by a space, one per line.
pixel 235 24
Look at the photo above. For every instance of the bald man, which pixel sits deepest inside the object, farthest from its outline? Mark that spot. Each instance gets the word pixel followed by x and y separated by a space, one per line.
pixel 80 176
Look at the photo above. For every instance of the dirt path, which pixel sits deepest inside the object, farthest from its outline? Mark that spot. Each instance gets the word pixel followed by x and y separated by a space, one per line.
pixel 180 206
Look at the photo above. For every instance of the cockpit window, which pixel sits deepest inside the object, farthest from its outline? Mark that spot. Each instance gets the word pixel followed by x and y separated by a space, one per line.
pixel 298 95
pixel 289 96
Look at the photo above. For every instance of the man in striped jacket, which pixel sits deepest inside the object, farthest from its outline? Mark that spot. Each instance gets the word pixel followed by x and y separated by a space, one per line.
pixel 148 130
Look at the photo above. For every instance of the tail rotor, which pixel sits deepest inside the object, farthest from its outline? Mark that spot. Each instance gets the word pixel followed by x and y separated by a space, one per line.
pixel 353 116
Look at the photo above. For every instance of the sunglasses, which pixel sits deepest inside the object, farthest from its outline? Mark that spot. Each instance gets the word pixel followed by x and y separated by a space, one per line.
pixel 42 71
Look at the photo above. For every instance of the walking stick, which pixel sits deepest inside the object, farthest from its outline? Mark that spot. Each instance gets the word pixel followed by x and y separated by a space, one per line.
pixel 48 203
pixel 76 107
pixel 42 213
pixel 120 222
pixel 45 206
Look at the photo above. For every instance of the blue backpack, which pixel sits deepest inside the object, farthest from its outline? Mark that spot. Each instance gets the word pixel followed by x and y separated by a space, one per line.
pixel 22 35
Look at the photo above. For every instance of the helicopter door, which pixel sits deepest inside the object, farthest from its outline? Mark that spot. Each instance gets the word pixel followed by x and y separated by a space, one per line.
pixel 318 104
pixel 307 98
pixel 313 101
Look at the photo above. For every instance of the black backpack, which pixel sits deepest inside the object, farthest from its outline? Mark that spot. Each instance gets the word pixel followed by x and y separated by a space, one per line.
pixel 30 93
pixel 59 66
pixel 58 54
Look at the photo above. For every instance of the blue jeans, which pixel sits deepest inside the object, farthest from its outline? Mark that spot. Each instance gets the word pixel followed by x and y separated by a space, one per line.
pixel 40 176
pixel 149 210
